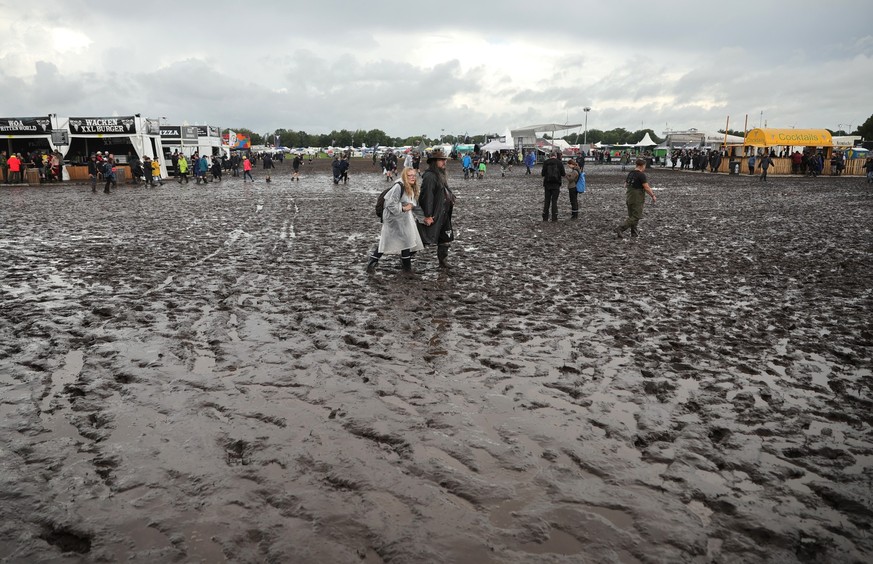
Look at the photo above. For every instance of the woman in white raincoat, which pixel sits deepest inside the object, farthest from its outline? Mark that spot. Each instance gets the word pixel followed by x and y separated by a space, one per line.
pixel 399 231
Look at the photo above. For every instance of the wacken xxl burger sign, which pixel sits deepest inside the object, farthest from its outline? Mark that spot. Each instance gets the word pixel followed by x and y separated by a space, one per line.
pixel 101 125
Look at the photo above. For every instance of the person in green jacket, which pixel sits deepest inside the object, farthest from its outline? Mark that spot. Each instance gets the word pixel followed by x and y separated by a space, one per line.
pixel 183 169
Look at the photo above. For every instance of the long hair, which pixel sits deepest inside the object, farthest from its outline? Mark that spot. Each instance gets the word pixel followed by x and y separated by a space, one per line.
pixel 439 172
pixel 411 189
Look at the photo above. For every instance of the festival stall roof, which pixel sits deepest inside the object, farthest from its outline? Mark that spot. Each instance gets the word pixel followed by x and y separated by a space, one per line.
pixel 714 139
pixel 528 134
pixel 788 137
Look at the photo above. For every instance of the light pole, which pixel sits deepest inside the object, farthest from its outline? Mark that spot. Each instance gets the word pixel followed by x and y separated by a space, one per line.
pixel 586 109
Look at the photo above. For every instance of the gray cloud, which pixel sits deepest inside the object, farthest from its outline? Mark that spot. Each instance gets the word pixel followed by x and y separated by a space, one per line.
pixel 337 65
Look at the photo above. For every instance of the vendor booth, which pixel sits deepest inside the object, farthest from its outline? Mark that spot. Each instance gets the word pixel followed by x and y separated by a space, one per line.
pixel 30 136
pixel 190 139
pixel 26 135
pixel 783 143
pixel 125 137
pixel 209 141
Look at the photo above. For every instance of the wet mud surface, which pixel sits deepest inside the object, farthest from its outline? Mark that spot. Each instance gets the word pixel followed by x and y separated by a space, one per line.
pixel 206 374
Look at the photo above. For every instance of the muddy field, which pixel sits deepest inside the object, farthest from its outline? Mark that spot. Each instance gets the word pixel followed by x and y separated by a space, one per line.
pixel 207 374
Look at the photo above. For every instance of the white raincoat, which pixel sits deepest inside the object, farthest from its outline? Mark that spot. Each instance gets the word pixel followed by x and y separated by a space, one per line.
pixel 399 230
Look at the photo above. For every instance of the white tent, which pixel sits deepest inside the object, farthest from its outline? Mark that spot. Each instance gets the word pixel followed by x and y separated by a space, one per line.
pixel 496 145
pixel 646 141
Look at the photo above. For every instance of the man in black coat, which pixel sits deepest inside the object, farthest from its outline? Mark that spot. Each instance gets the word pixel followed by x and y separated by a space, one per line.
pixel 553 176
pixel 437 202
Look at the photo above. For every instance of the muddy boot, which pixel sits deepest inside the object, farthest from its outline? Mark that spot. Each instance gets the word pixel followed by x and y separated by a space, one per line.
pixel 406 265
pixel 442 257
pixel 634 232
pixel 554 218
pixel 574 214
pixel 371 265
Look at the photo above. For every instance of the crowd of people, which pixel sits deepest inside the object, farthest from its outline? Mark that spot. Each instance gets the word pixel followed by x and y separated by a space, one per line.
pixel 46 163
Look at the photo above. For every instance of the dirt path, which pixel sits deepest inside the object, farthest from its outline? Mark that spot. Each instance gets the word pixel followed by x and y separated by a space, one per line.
pixel 207 374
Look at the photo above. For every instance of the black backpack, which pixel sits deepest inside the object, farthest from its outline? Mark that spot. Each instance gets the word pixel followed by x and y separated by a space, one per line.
pixel 380 201
pixel 553 174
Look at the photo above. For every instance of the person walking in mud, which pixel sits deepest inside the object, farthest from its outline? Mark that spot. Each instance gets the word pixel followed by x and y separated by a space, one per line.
pixel 182 169
pixel 529 161
pixel 109 174
pixel 295 166
pixel 765 163
pixel 553 175
pixel 637 186
pixel 399 231
pixel 247 169
pixel 93 171
pixel 437 203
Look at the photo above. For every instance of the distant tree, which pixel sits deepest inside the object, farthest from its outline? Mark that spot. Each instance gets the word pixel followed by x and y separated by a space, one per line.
pixel 865 130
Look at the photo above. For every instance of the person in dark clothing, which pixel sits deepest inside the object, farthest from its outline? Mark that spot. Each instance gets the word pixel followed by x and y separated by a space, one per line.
pixel 109 175
pixel 637 186
pixel 765 162
pixel 344 170
pixel 93 170
pixel 295 166
pixel 216 170
pixel 553 175
pixel 335 168
pixel 437 203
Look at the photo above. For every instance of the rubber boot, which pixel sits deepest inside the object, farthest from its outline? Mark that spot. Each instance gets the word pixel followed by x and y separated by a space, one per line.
pixel 407 271
pixel 574 214
pixel 442 256
pixel 371 265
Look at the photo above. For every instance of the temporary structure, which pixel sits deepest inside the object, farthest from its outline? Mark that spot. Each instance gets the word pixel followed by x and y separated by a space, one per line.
pixel 646 141
pixel 525 138
pixel 496 145
pixel 26 133
pixel 120 135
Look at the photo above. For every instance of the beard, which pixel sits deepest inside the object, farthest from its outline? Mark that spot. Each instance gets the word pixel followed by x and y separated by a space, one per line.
pixel 440 174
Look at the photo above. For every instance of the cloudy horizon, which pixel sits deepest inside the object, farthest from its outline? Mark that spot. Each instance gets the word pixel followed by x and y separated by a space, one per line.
pixel 478 69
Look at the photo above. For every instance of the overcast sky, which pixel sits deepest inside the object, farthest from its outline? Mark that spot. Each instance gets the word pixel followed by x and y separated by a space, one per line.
pixel 430 68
